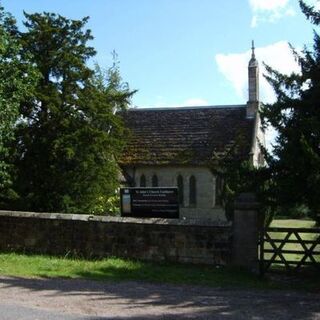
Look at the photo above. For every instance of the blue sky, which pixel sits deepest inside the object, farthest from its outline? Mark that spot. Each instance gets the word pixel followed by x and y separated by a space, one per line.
pixel 186 52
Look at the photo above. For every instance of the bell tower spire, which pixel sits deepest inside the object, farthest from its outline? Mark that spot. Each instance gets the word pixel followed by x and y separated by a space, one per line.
pixel 252 48
pixel 253 84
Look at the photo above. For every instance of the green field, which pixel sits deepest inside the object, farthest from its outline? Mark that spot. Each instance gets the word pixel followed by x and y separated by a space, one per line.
pixel 292 223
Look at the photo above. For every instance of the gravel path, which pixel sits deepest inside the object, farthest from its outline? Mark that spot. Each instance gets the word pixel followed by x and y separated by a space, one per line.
pixel 84 299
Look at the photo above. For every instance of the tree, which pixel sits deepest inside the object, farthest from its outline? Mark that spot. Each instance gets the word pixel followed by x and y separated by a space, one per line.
pixel 17 78
pixel 70 133
pixel 237 174
pixel 295 163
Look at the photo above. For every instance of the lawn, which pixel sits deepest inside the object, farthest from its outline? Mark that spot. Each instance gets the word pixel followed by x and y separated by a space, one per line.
pixel 115 269
pixel 293 223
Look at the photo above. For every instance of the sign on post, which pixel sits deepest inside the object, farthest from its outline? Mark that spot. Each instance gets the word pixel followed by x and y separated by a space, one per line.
pixel 149 202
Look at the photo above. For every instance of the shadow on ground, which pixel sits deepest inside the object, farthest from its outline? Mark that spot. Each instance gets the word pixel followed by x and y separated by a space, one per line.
pixel 140 300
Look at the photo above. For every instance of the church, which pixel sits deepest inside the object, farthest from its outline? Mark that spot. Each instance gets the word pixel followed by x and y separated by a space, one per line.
pixel 174 147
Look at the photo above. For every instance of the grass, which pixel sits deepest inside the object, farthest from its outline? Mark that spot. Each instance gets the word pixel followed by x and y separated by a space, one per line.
pixel 293 223
pixel 115 269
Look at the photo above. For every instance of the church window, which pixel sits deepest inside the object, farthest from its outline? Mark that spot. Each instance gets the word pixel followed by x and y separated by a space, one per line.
pixel 154 181
pixel 260 159
pixel 180 189
pixel 218 190
pixel 192 191
pixel 143 183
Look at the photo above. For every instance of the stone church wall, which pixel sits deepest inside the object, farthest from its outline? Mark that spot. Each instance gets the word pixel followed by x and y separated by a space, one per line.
pixel 206 207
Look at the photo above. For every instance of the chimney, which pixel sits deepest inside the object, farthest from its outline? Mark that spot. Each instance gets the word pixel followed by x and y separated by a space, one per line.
pixel 253 85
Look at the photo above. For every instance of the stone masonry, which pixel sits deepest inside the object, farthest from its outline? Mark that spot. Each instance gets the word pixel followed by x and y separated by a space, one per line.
pixel 186 241
pixel 206 207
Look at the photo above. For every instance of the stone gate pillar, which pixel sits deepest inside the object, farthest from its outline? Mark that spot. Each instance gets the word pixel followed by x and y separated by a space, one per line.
pixel 246 225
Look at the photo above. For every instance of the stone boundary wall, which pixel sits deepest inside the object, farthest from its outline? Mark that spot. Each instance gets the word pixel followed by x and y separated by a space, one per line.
pixel 186 241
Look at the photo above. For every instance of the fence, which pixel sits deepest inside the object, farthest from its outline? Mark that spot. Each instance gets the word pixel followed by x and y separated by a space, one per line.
pixel 292 248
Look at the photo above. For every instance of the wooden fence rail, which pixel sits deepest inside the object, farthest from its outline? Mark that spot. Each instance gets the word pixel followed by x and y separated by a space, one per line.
pixel 293 248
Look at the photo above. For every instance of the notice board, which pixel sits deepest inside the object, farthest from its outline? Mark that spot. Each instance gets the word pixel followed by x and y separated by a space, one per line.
pixel 149 202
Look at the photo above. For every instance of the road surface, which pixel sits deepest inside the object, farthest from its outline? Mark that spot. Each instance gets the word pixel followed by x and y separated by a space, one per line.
pixel 53 299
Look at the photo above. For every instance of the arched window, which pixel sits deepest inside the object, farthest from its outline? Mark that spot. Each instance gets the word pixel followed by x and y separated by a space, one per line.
pixel 143 183
pixel 180 189
pixel 154 181
pixel 218 190
pixel 192 191
pixel 260 159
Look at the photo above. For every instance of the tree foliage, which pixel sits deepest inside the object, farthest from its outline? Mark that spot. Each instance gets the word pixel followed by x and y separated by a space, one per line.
pixel 295 162
pixel 69 133
pixel 17 78
pixel 238 175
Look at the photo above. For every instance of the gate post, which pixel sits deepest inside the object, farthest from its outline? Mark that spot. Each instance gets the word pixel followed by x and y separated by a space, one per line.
pixel 246 224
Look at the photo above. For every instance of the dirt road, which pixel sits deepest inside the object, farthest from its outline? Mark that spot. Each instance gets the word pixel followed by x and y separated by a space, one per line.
pixel 84 299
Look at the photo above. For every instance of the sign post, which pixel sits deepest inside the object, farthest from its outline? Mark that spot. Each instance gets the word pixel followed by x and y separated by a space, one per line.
pixel 149 202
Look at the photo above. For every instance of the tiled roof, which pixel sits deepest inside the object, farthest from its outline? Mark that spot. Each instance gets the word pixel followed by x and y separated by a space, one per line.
pixel 190 136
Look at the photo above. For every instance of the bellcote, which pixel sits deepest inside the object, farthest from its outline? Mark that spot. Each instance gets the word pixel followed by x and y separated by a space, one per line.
pixel 253 85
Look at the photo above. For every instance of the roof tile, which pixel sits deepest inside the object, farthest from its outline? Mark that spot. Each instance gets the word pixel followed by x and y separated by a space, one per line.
pixel 184 136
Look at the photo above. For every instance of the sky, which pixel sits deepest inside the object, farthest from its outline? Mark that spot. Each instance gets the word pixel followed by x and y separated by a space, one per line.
pixel 187 52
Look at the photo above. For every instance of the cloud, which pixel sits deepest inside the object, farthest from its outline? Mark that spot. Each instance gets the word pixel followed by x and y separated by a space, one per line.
pixel 269 5
pixel 269 10
pixel 234 67
pixel 314 3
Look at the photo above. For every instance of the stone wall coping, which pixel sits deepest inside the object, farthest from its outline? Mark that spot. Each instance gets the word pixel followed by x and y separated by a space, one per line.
pixel 110 219
pixel 247 206
pixel 246 201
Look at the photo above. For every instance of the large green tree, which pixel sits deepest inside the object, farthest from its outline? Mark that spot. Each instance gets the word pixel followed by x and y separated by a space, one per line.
pixel 295 162
pixel 70 133
pixel 17 78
